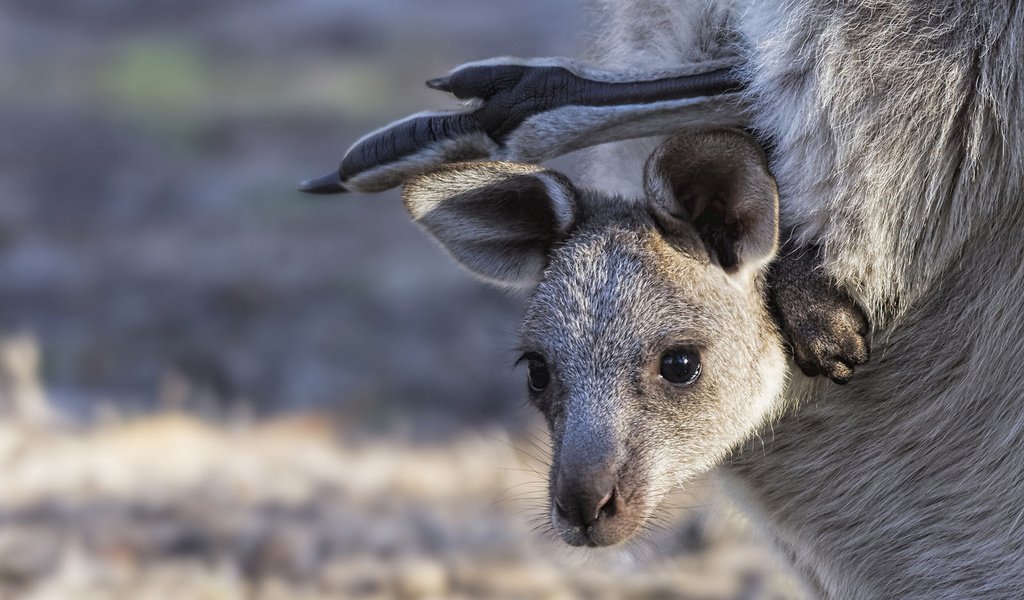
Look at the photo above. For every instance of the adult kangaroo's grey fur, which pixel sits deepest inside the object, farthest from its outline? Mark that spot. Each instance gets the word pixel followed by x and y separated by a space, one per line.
pixel 897 135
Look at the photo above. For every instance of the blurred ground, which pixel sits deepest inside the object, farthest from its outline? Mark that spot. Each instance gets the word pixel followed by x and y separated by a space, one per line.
pixel 362 431
pixel 149 220
pixel 169 508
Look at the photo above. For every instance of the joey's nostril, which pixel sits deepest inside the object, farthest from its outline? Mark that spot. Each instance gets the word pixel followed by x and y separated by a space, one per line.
pixel 607 507
pixel 583 498
pixel 561 510
pixel 592 507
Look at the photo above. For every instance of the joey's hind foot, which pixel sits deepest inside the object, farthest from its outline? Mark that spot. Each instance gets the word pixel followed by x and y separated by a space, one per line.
pixel 823 326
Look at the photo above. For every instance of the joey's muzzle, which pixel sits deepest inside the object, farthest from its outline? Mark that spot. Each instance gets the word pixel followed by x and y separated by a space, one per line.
pixel 594 507
pixel 593 499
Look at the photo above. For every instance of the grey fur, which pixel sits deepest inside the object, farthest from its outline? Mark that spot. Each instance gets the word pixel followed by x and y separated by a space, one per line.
pixel 898 145
pixel 898 148
pixel 618 286
pixel 899 151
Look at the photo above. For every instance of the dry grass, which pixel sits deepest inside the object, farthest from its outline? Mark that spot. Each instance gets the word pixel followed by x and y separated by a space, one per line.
pixel 170 507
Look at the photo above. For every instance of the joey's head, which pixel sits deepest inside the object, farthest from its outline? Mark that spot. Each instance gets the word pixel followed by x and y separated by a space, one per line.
pixel 648 345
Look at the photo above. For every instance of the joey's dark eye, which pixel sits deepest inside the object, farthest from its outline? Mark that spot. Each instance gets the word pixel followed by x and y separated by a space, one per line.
pixel 680 366
pixel 537 374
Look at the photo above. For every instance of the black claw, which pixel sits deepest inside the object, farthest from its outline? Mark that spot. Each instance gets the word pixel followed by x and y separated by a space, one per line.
pixel 325 184
pixel 442 84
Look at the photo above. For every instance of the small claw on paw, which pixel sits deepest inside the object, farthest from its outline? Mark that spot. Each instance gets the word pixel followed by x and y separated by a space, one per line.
pixel 840 373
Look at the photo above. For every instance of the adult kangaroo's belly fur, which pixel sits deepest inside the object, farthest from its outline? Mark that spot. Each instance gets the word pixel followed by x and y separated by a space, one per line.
pixel 900 152
pixel 898 141
pixel 907 483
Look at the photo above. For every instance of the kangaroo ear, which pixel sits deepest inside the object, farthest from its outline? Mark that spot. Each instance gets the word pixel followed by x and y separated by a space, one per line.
pixel 717 182
pixel 498 219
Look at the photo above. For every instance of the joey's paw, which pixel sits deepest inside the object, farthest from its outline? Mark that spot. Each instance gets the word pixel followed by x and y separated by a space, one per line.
pixel 828 336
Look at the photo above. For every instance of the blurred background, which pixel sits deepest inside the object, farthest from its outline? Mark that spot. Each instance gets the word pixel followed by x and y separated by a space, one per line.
pixel 214 387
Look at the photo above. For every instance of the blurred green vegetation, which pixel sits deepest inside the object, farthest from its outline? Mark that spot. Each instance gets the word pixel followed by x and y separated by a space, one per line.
pixel 158 76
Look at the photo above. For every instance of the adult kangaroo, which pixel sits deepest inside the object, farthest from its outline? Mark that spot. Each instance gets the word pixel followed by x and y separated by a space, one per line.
pixel 896 136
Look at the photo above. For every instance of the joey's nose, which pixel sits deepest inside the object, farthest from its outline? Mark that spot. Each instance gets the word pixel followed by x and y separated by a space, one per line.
pixel 583 500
